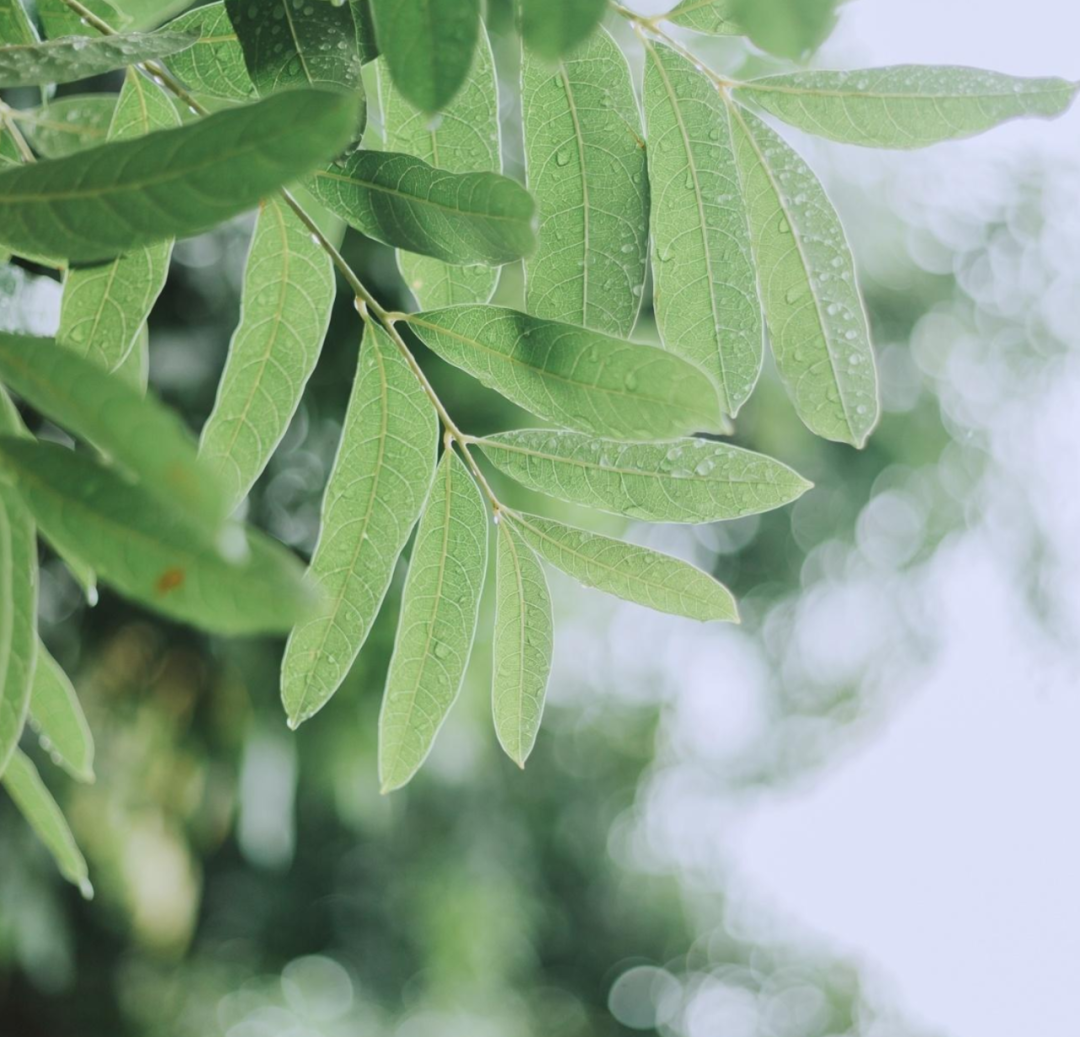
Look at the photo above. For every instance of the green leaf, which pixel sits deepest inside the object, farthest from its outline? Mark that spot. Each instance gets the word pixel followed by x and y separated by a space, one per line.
pixel 285 311
pixel 787 28
pixel 705 292
pixel 682 480
pixel 906 106
pixel 366 45
pixel 572 376
pixel 106 306
pixel 18 617
pixel 36 804
pixel 375 494
pixel 149 552
pixel 402 201
pixel 712 17
pixel 553 28
pixel 140 435
pixel 58 720
pixel 628 571
pixel 148 14
pixel 127 194
pixel 135 370
pixel 68 124
pixel 522 643
pixel 585 162
pixel 77 57
pixel 464 139
pixel 57 19
pixel 214 63
pixel 439 610
pixel 428 46
pixel 817 324
pixel 15 26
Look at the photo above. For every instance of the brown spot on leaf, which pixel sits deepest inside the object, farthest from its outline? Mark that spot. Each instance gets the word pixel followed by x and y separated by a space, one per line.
pixel 169 580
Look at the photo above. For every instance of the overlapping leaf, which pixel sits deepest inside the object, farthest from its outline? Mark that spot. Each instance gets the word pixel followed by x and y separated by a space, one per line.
pixel 68 124
pixel 127 194
pixel 376 490
pixel 553 28
pixel 705 296
pixel 285 310
pixel 214 63
pixel 682 480
pixel 58 19
pixel 439 611
pixel 787 28
pixel 15 26
pixel 712 17
pixel 585 162
pixel 58 720
pixel 570 375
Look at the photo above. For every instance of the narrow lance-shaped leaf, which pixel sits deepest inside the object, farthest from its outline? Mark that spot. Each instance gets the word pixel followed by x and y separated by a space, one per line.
pixel 148 552
pixel 428 46
pixel 377 488
pixel 705 295
pixel 439 610
pixel 76 57
pixel 712 17
pixel 585 162
pixel 553 28
pixel 817 325
pixel 465 138
pixel 522 643
pixel 106 306
pixel 402 201
pixel 127 194
pixel 573 376
pixel 139 434
pixel 285 310
pixel 214 63
pixel 906 106
pixel 35 803
pixel 628 571
pixel 15 26
pixel 682 480
pixel 68 124
pixel 58 720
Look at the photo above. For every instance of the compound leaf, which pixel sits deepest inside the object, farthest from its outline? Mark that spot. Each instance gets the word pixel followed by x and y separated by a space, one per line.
pixel 58 719
pixel 214 63
pixel 553 28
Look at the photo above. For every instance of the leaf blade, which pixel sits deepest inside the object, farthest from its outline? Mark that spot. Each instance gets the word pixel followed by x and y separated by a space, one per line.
pixel 214 63
pixel 553 28
pixel 58 719
pixel 68 124
pixel 711 17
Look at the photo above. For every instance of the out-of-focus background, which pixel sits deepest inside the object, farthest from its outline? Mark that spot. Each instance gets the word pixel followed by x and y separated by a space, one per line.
pixel 852 815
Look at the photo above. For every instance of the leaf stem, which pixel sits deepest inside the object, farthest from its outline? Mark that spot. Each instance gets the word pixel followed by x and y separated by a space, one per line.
pixel 7 116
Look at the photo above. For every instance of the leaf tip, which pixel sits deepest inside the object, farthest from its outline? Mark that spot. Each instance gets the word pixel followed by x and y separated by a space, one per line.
pixel 85 887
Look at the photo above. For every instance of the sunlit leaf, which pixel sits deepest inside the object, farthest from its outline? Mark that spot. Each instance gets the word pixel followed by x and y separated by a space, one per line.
pixel 58 720
pixel 79 57
pixel 705 295
pixel 214 63
pixel 36 804
pixel 465 138
pixel 428 46
pixel 378 486
pixel 127 194
pixel 521 645
pixel 712 17
pixel 68 124
pixel 682 480
pixel 439 611
pixel 285 310
pixel 906 106
pixel 817 325
pixel 106 306
pixel 149 552
pixel 553 28
pixel 585 162
pixel 572 376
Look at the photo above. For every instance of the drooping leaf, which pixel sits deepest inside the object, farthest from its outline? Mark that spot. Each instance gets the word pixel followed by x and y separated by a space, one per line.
pixel 106 306
pixel 465 138
pixel 681 480
pixel 553 28
pixel 58 719
pixel 15 26
pixel 712 17
pixel 628 571
pixel 428 46
pixel 68 124
pixel 79 57
pixel 570 375
pixel 521 645
pixel 285 310
pixel 126 194
pixel 149 552
pixel 375 494
pixel 57 19
pixel 140 435
pixel 906 106
pixel 817 325
pixel 585 163
pixel 705 293
pixel 439 610
pixel 402 201
pixel 214 63
pixel 787 28
pixel 35 803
